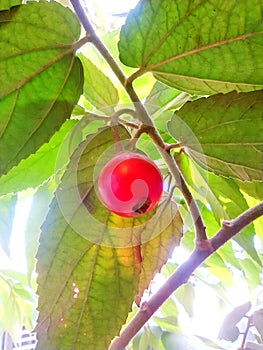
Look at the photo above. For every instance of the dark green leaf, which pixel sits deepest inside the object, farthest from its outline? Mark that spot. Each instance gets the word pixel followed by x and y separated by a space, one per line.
pixel 40 77
pixel 198 46
pixel 227 129
pixel 7 213
pixel 98 88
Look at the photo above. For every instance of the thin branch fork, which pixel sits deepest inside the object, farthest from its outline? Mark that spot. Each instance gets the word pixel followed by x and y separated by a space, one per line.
pixel 201 252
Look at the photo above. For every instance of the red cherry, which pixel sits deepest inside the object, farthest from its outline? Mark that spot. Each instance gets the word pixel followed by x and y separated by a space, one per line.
pixel 130 184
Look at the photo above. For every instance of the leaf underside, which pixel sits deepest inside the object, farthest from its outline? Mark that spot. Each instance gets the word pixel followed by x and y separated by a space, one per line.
pixel 223 133
pixel 201 47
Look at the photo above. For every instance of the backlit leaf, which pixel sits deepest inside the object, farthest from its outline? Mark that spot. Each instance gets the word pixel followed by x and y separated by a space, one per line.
pixel 228 193
pixel 226 201
pixel 156 252
pixel 106 277
pixel 17 304
pixel 42 164
pixel 227 130
pixel 98 88
pixel 7 213
pixel 40 77
pixel 253 189
pixel 201 47
pixel 160 98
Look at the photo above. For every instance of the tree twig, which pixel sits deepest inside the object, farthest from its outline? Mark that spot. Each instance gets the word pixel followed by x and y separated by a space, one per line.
pixel 148 125
pixel 183 272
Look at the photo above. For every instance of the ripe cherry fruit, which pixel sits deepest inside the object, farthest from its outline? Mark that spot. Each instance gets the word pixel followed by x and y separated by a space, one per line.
pixel 130 184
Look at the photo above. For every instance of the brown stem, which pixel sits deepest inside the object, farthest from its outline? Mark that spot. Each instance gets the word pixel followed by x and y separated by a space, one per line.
pixel 143 116
pixel 183 272
pixel 91 34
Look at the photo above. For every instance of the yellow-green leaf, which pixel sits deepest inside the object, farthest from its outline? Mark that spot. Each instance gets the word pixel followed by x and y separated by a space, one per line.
pixel 98 88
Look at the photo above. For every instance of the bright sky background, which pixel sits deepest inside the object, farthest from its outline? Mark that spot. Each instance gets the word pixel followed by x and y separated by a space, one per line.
pixel 115 6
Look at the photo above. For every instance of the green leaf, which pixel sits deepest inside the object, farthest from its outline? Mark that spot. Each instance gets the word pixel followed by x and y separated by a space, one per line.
pixel 78 111
pixel 221 38
pixel 226 201
pixel 98 88
pixel 197 179
pixel 253 189
pixel 227 129
pixel 7 4
pixel 40 77
pixel 160 98
pixel 156 251
pixel 235 204
pixel 7 213
pixel 83 243
pixel 106 276
pixel 42 164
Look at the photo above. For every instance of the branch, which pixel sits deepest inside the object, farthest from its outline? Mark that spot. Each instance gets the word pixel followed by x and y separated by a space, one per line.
pixel 183 272
pixel 91 34
pixel 143 116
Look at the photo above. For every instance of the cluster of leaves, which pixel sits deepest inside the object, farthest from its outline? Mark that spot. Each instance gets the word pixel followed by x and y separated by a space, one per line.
pixel 204 93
